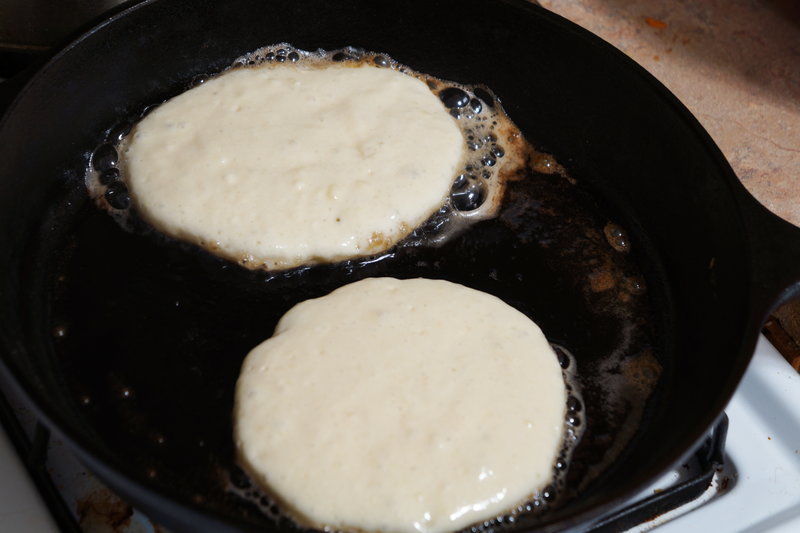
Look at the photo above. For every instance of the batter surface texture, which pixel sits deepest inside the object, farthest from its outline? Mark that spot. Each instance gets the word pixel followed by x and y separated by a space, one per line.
pixel 281 165
pixel 389 405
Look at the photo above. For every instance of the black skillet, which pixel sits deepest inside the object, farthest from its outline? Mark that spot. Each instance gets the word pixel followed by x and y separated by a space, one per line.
pixel 85 303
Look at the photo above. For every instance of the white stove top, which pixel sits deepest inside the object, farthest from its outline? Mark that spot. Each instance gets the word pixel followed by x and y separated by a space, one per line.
pixel 761 475
pixel 762 455
pixel 21 507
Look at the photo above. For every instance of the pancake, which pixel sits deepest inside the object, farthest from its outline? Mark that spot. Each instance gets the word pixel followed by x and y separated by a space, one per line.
pixel 280 165
pixel 389 405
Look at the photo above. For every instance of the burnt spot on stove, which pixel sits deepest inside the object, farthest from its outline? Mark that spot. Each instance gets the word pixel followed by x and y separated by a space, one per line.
pixel 102 510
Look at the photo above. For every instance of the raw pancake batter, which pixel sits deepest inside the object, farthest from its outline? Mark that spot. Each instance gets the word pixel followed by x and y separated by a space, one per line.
pixel 389 405
pixel 281 165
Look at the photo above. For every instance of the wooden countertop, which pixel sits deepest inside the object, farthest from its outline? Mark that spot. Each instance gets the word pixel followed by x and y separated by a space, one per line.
pixel 736 65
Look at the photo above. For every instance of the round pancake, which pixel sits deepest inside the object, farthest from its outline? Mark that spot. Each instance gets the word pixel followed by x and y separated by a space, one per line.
pixel 389 405
pixel 280 165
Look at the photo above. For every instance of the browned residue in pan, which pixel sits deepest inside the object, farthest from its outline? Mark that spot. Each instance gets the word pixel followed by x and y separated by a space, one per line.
pixel 601 280
pixel 547 164
pixel 103 511
pixel 641 373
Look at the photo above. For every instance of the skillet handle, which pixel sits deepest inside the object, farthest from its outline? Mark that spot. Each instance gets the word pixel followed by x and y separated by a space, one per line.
pixel 775 255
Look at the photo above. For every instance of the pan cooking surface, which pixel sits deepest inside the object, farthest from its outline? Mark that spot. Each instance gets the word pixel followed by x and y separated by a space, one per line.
pixel 150 333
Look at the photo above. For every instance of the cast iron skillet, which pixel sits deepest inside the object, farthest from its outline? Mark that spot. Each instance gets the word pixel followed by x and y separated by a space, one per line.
pixel 715 260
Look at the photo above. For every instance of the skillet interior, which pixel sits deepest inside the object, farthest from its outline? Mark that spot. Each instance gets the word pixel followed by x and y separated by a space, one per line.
pixel 617 132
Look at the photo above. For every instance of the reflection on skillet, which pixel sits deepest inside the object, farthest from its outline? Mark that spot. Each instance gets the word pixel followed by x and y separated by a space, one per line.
pixel 151 332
